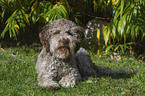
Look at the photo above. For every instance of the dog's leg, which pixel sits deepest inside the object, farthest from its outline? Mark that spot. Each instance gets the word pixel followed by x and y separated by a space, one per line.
pixel 85 64
pixel 46 72
pixel 47 80
pixel 71 79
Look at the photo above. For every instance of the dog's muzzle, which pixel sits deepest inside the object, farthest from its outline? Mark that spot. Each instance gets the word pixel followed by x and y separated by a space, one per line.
pixel 64 44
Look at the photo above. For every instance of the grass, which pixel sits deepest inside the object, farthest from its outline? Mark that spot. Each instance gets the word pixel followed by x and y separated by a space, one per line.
pixel 18 76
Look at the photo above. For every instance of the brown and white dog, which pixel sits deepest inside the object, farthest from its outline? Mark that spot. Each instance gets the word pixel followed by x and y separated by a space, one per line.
pixel 62 62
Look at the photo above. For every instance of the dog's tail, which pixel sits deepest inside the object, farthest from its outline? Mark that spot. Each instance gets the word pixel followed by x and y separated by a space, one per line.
pixel 104 71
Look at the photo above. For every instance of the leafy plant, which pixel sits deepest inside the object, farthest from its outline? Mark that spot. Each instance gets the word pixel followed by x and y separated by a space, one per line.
pixel 122 47
pixel 12 26
pixel 53 12
pixel 128 22
pixel 28 12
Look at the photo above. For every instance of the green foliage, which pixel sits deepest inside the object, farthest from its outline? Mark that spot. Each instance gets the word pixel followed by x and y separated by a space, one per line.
pixel 28 12
pixel 103 6
pixel 53 12
pixel 12 26
pixel 21 15
pixel 122 47
pixel 128 22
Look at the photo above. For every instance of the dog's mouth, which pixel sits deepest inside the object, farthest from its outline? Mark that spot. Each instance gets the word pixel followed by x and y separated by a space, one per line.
pixel 63 48
pixel 63 52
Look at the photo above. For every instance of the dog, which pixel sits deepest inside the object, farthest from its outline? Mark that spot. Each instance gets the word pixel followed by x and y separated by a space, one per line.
pixel 62 61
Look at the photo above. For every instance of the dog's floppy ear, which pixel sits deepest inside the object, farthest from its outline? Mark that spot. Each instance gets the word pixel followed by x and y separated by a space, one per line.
pixel 44 36
pixel 80 37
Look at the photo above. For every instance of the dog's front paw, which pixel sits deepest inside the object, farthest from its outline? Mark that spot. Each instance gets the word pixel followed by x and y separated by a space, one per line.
pixel 50 84
pixel 54 86
pixel 67 82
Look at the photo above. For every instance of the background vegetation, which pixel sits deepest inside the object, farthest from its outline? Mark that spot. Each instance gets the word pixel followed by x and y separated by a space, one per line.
pixel 23 19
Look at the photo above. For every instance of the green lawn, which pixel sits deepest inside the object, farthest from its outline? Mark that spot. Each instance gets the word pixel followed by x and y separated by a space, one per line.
pixel 18 76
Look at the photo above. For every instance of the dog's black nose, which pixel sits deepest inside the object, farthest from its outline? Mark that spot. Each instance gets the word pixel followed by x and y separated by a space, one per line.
pixel 65 42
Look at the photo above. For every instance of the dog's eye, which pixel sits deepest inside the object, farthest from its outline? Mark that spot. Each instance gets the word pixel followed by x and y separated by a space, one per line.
pixel 74 32
pixel 69 33
pixel 56 32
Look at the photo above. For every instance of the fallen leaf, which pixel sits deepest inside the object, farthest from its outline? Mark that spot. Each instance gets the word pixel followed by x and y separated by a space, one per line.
pixel 118 57
pixel 100 56
pixel 131 69
pixel 128 91
pixel 114 89
pixel 2 49
pixel 140 61
pixel 14 55
pixel 111 57
pixel 131 59
pixel 95 81
pixel 114 53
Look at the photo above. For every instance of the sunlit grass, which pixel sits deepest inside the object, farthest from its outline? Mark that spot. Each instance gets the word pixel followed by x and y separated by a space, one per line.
pixel 18 76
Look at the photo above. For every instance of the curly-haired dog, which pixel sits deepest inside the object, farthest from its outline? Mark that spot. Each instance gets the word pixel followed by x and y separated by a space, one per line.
pixel 62 62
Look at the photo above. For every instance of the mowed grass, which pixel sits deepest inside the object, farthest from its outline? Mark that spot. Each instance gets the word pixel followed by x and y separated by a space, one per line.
pixel 18 76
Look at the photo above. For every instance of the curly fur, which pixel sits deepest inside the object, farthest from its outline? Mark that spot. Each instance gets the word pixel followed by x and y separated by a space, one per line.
pixel 62 62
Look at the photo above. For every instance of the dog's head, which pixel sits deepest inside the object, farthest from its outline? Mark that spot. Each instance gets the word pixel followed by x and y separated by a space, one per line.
pixel 62 38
